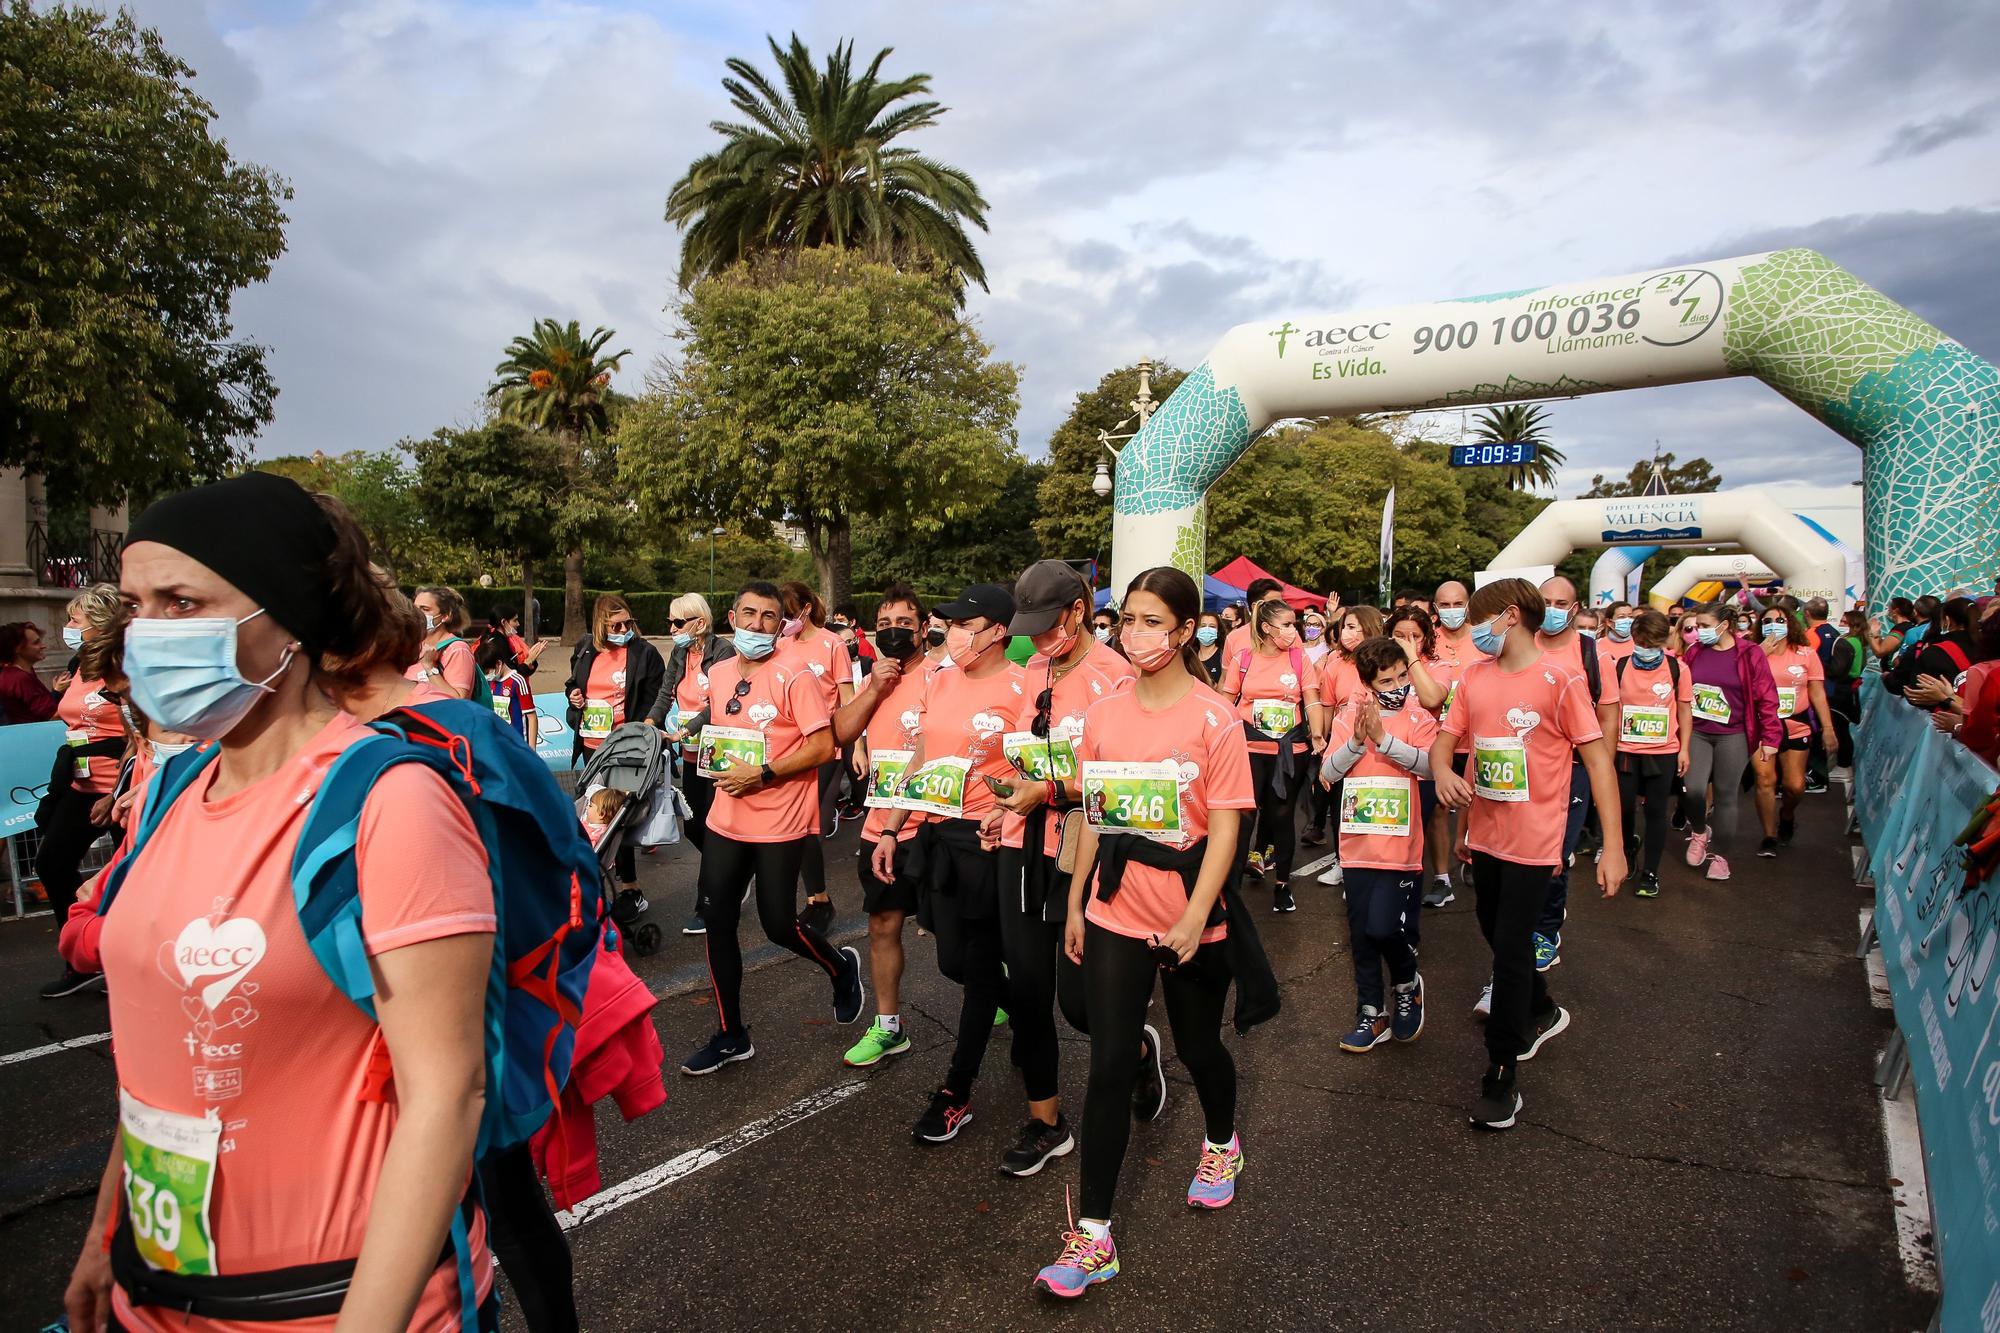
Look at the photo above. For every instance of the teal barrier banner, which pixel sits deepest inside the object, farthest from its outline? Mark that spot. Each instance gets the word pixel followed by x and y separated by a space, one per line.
pixel 557 737
pixel 1915 790
pixel 27 753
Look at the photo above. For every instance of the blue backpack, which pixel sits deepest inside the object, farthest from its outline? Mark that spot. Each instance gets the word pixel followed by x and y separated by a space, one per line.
pixel 547 942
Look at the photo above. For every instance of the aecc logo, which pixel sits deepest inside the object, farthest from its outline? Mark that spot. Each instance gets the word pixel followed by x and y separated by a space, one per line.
pixel 1333 337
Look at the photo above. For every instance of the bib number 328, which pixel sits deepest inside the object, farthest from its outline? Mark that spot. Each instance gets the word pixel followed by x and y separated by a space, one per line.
pixel 168 1177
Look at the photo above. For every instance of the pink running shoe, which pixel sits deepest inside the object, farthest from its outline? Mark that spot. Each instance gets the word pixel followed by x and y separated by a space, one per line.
pixel 1084 1261
pixel 1697 849
pixel 1214 1183
pixel 1718 868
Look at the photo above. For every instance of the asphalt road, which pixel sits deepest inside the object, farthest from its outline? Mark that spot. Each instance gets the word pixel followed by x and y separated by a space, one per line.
pixel 1702 1148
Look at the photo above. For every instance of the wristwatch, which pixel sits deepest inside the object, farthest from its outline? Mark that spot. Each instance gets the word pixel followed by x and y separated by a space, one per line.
pixel 769 776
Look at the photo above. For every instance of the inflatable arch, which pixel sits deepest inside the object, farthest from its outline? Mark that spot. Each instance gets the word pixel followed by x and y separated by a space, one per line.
pixel 1750 518
pixel 1676 582
pixel 1924 409
pixel 1612 578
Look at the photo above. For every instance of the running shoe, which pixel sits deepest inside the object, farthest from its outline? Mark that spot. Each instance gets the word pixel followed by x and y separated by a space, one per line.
pixel 850 990
pixel 1440 893
pixel 1084 1260
pixel 1697 849
pixel 1548 952
pixel 695 925
pixel 1786 828
pixel 1679 817
pixel 818 915
pixel 1483 1006
pixel 1214 1183
pixel 722 1049
pixel 72 982
pixel 999 1017
pixel 877 1044
pixel 1149 1093
pixel 1313 837
pixel 1552 1024
pixel 1331 876
pixel 943 1118
pixel 1718 869
pixel 1406 1019
pixel 1282 900
pixel 1649 885
pixel 1499 1102
pixel 1256 862
pixel 1768 848
pixel 1815 787
pixel 1371 1029
pixel 1035 1145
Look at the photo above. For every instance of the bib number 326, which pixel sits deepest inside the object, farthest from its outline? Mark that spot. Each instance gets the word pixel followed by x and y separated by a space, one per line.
pixel 1500 768
pixel 168 1177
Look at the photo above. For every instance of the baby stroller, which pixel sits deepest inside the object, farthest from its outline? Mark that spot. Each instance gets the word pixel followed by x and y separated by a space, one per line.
pixel 632 761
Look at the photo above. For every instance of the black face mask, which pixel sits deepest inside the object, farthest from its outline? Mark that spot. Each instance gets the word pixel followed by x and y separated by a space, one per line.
pixel 896 643
pixel 934 638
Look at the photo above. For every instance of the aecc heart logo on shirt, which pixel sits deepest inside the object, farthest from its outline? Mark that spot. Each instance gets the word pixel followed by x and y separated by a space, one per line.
pixel 1523 719
pixel 763 714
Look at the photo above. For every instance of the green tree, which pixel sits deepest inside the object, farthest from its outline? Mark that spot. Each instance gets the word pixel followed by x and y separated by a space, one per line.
pixel 814 166
pixel 995 540
pixel 125 229
pixel 1521 423
pixel 558 381
pixel 842 388
pixel 488 486
pixel 1072 521
pixel 378 488
pixel 1697 476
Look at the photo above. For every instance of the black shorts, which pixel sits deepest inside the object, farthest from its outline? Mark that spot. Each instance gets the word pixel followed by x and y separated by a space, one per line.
pixel 900 896
pixel 1795 743
pixel 1648 765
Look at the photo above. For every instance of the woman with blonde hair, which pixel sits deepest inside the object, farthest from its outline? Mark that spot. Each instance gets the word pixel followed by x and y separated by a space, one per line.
pixel 614 677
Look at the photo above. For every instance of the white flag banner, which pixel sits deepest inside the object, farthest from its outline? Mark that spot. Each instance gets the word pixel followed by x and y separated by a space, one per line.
pixel 1388 561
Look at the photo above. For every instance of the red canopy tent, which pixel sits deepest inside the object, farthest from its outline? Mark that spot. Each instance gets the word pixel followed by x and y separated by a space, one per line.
pixel 1243 571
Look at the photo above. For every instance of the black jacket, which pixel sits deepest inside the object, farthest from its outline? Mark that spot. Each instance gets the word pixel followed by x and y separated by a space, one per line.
pixel 644 670
pixel 716 649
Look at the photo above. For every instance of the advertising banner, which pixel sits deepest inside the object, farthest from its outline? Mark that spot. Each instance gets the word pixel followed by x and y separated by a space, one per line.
pixel 27 752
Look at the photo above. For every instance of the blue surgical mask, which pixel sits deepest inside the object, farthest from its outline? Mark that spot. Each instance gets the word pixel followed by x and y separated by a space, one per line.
pixel 619 640
pixel 165 750
pixel 1774 629
pixel 1391 700
pixel 1648 657
pixel 1488 640
pixel 1451 617
pixel 1586 633
pixel 1103 633
pixel 754 646
pixel 1621 628
pixel 184 674
pixel 1706 635
pixel 1555 619
pixel 683 640
pixel 72 637
pixel 1204 635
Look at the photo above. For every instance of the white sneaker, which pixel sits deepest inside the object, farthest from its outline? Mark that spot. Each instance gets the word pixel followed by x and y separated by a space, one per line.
pixel 1331 875
pixel 1483 1006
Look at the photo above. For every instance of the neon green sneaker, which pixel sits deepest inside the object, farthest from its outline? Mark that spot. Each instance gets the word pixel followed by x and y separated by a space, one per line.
pixel 999 1018
pixel 876 1043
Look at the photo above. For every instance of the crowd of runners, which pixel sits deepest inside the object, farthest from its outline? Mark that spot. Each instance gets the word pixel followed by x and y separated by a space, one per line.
pixel 311 933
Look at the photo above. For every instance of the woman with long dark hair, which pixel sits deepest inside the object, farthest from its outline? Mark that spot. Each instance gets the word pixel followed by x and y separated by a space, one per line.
pixel 1277 699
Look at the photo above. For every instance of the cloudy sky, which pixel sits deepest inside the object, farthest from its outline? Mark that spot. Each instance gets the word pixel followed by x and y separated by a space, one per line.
pixel 1157 173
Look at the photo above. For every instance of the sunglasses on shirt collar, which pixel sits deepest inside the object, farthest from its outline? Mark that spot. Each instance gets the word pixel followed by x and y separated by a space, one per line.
pixel 735 705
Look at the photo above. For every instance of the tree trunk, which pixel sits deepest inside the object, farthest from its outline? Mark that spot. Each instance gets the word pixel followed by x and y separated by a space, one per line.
pixel 832 545
pixel 530 623
pixel 576 621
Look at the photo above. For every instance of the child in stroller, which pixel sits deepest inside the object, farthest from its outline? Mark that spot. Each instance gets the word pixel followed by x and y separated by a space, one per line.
pixel 627 796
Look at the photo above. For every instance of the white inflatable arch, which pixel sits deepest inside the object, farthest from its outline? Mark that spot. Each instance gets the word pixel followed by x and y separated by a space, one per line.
pixel 1808 563
pixel 1674 585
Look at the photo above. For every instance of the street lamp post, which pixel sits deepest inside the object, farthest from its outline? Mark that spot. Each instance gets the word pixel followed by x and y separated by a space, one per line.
pixel 1142 406
pixel 713 533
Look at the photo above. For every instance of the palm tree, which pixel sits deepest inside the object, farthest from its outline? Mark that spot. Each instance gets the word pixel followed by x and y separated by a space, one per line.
pixel 557 380
pixel 814 167
pixel 1521 423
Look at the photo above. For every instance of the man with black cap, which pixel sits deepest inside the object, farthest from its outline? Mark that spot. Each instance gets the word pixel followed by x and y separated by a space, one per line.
pixel 957 766
pixel 1069 672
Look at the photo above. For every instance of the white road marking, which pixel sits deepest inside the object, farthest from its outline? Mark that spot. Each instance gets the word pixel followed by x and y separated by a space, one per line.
pixel 614 1197
pixel 26 915
pixel 37 1052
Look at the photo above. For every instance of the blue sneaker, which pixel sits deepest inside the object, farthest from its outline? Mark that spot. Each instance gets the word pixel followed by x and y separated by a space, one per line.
pixel 1214 1183
pixel 722 1049
pixel 1371 1029
pixel 1548 952
pixel 1407 1016
pixel 1085 1260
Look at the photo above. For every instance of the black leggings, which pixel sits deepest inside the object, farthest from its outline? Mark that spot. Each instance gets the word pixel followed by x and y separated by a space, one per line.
pixel 969 951
pixel 1656 789
pixel 1030 945
pixel 700 793
pixel 528 1241
pixel 1510 898
pixel 813 866
pixel 1118 974
pixel 1275 815
pixel 726 868
pixel 66 835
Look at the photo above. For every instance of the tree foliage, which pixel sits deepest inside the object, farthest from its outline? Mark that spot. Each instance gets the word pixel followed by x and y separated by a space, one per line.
pixel 1072 521
pixel 1522 423
pixel 813 165
pixel 995 540
pixel 380 490
pixel 125 230
pixel 841 388
pixel 490 486
pixel 1697 476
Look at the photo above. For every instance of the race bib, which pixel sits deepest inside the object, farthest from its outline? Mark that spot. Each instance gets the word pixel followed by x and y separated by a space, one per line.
pixel 938 788
pixel 1644 724
pixel 1045 760
pixel 168 1177
pixel 1710 704
pixel 1500 768
pixel 1788 700
pixel 724 748
pixel 1375 805
pixel 76 740
pixel 1274 717
pixel 597 715
pixel 885 772
pixel 1450 698
pixel 1134 798
pixel 501 709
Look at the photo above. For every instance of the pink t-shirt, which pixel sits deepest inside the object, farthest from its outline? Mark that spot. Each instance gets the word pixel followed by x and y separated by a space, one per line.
pixel 1526 723
pixel 458 664
pixel 1101 673
pixel 1612 650
pixel 606 686
pixel 823 653
pixel 691 693
pixel 1650 688
pixel 894 727
pixel 218 1004
pixel 1385 851
pixel 965 717
pixel 787 705
pixel 84 708
pixel 1339 681
pixel 1282 676
pixel 1794 670
pixel 1203 736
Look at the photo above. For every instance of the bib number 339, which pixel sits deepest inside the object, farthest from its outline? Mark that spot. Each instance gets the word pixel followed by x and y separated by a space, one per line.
pixel 168 1177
